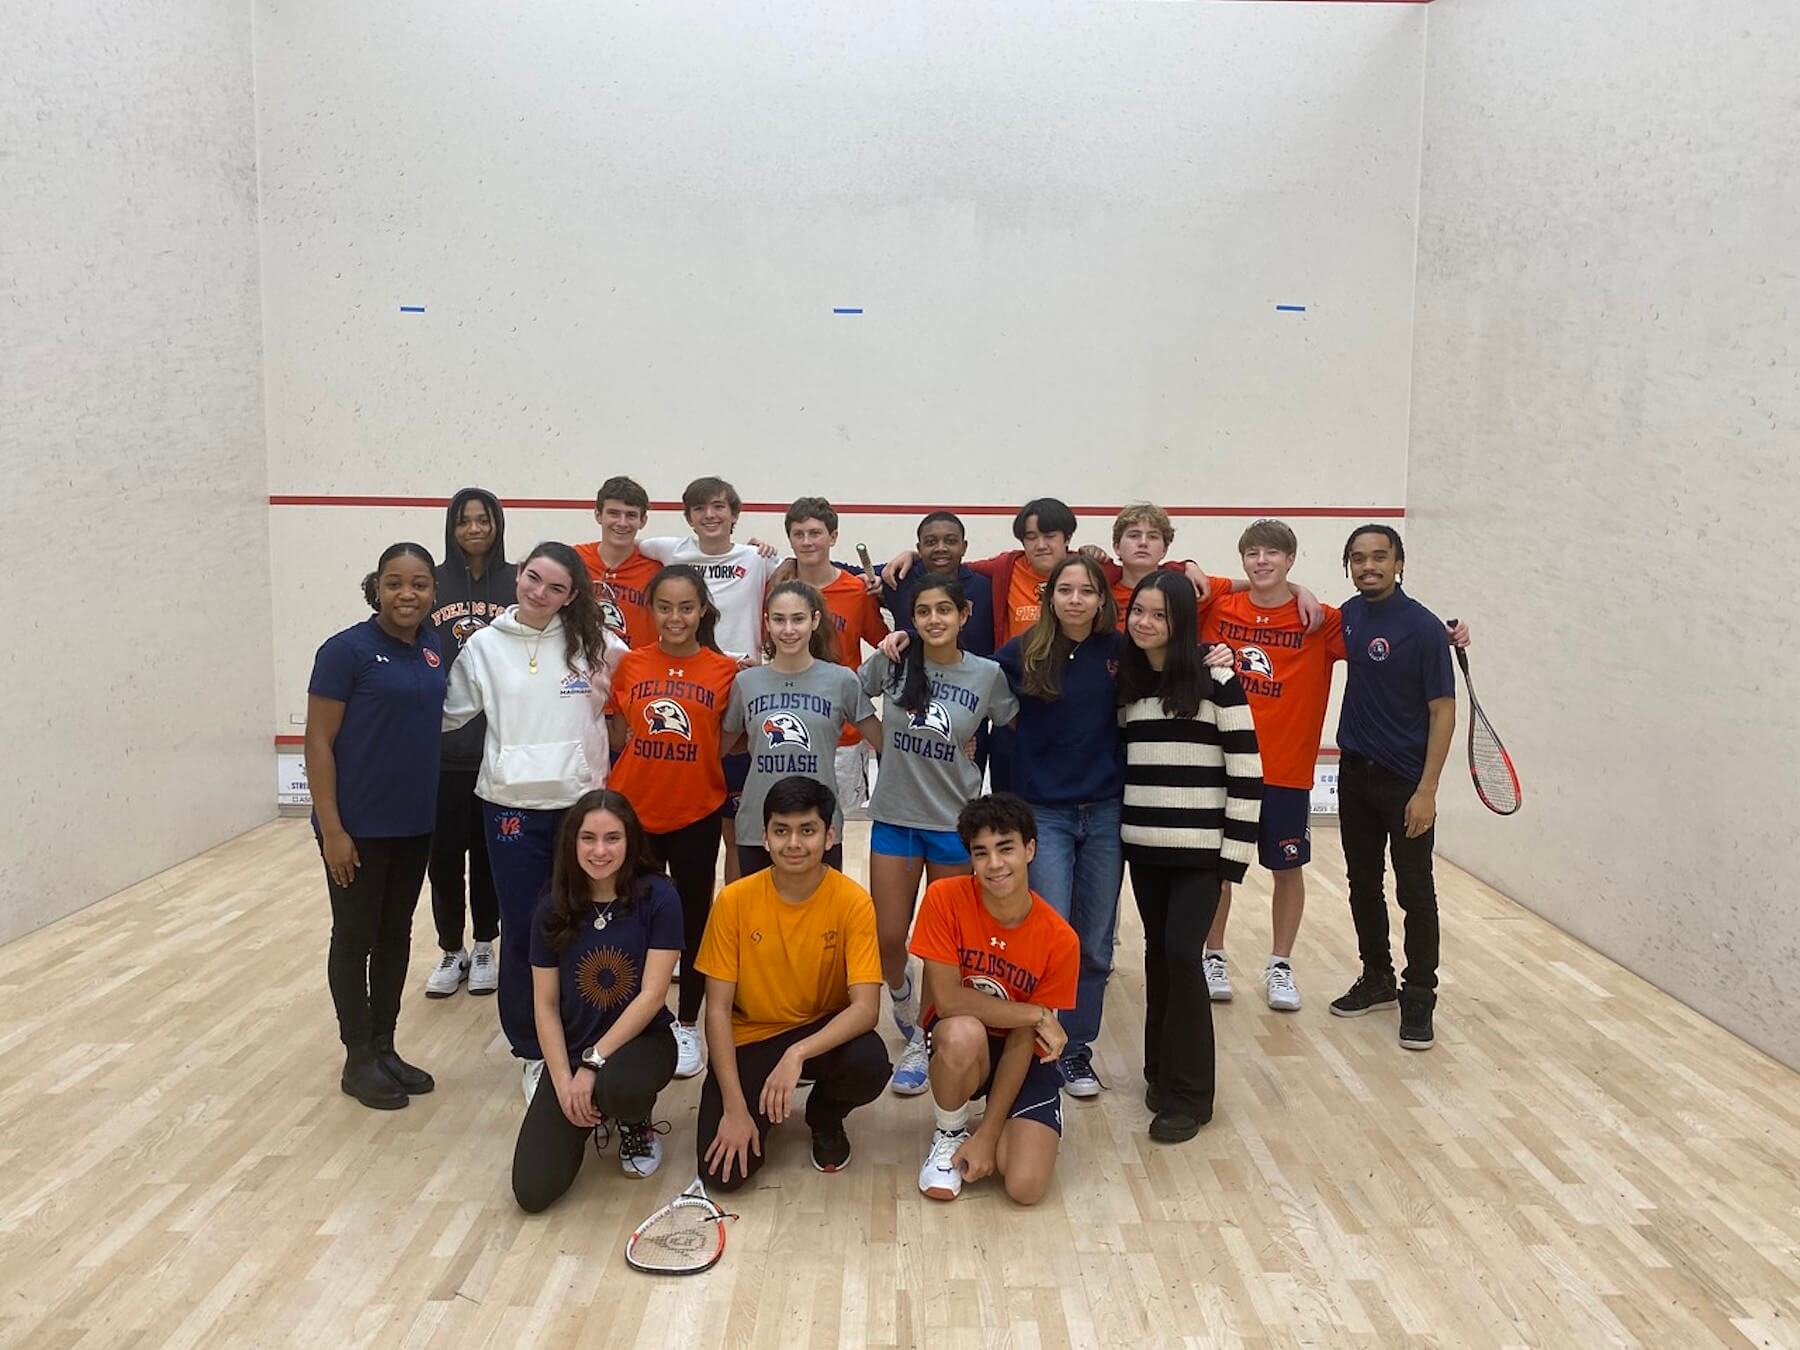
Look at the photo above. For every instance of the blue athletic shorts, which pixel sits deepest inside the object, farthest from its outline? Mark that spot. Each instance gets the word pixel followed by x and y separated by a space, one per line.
pixel 737 769
pixel 1284 837
pixel 1040 1095
pixel 903 841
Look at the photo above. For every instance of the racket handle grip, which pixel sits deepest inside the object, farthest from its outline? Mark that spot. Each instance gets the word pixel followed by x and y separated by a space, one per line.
pixel 1451 623
pixel 862 556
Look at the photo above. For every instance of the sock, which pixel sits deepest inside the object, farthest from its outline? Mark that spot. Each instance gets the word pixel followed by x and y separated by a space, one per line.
pixel 1215 951
pixel 1287 961
pixel 951 1122
pixel 902 991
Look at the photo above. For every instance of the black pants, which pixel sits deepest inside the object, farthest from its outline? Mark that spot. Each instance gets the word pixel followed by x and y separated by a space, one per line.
pixel 371 935
pixel 999 749
pixel 853 1075
pixel 1372 820
pixel 754 857
pixel 461 831
pixel 691 854
pixel 1177 905
pixel 550 1150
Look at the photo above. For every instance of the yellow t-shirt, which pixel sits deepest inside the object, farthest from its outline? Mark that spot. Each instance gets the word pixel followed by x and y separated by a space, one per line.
pixel 792 963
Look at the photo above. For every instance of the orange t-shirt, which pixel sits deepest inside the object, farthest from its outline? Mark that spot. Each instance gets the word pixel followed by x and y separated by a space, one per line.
pixel 792 963
pixel 855 618
pixel 672 706
pixel 1286 674
pixel 1024 597
pixel 1037 960
pixel 620 591
pixel 1216 588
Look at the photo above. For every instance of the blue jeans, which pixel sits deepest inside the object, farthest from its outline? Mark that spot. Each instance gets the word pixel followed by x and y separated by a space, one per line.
pixel 521 849
pixel 1078 869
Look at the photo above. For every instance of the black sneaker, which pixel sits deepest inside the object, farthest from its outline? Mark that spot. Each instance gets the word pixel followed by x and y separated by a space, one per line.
pixel 1174 1127
pixel 1416 1006
pixel 830 1146
pixel 1367 994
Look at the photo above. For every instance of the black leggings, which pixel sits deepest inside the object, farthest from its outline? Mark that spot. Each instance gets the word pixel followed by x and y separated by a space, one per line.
pixel 371 935
pixel 691 854
pixel 461 830
pixel 1177 905
pixel 551 1150
pixel 853 1075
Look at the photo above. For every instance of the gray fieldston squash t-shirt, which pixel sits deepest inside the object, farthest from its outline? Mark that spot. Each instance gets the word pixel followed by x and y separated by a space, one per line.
pixel 794 721
pixel 925 779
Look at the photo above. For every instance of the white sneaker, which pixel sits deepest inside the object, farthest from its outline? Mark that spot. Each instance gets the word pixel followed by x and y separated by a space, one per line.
pixel 912 1075
pixel 484 969
pixel 640 1149
pixel 451 969
pixel 529 1074
pixel 1279 987
pixel 906 1008
pixel 938 1176
pixel 688 1057
pixel 1218 979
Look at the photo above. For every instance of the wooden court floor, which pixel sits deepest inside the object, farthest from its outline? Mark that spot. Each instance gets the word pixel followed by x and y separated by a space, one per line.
pixel 1580 1162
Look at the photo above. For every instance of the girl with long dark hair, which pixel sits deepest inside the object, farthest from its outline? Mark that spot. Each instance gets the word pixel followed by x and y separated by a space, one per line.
pixel 1193 792
pixel 935 697
pixel 603 948
pixel 372 712
pixel 541 673
pixel 670 699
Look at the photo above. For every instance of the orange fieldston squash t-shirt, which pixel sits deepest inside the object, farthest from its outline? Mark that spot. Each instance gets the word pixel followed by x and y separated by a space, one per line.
pixel 621 592
pixel 793 963
pixel 1024 597
pixel 1286 674
pixel 1036 961
pixel 855 618
pixel 672 706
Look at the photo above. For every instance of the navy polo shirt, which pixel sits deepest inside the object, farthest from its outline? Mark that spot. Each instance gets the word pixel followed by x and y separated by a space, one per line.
pixel 977 634
pixel 387 748
pixel 1399 657
pixel 1068 752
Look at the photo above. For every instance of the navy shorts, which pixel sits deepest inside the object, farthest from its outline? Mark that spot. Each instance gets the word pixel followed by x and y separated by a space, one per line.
pixel 737 771
pixel 1284 838
pixel 1040 1095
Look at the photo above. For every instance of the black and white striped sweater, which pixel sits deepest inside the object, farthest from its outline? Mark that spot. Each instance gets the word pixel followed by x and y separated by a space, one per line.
pixel 1193 785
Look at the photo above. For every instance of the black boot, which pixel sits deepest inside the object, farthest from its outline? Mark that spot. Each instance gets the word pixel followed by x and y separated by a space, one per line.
pixel 368 1082
pixel 413 1081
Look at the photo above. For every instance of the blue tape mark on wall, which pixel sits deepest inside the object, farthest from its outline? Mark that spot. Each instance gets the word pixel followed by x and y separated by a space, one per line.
pixel 846 311
pixel 1290 309
pixel 412 309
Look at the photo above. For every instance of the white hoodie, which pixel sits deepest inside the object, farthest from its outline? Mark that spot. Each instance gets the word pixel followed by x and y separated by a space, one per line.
pixel 546 733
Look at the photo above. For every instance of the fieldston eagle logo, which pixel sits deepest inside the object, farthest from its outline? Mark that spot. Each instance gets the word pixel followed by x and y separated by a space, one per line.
pixel 981 984
pixel 1378 649
pixel 665 715
pixel 784 729
pixel 1255 661
pixel 611 615
pixel 464 629
pixel 934 717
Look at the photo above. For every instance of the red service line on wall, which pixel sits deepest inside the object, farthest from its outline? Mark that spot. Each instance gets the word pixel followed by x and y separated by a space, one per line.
pixel 1325 752
pixel 843 508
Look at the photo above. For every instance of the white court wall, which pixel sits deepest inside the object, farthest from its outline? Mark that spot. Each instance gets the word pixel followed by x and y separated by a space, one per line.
pixel 1606 417
pixel 1068 227
pixel 137 662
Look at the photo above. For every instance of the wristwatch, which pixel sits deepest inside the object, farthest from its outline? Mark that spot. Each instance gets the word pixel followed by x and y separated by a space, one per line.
pixel 592 1058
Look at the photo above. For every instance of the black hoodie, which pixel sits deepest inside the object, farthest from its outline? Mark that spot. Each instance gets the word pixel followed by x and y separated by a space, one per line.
pixel 466 604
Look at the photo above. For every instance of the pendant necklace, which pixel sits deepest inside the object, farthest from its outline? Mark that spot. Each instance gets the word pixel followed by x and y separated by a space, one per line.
pixel 604 916
pixel 532 651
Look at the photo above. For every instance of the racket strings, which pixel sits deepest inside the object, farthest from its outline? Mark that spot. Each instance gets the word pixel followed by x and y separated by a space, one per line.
pixel 1495 780
pixel 684 1236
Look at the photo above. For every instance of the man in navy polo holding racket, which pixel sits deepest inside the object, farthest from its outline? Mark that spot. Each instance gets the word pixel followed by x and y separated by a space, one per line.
pixel 1394 731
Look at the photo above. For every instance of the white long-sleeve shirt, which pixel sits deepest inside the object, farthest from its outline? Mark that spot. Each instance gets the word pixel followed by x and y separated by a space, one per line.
pixel 546 732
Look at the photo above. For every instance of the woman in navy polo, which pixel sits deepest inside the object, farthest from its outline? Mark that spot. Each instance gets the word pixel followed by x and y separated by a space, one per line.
pixel 373 709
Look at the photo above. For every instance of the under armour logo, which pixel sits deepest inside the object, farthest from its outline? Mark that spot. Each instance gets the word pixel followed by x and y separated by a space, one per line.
pixel 996 942
pixel 676 672
pixel 379 657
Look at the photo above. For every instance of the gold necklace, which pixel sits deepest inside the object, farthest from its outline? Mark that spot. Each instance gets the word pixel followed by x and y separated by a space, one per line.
pixel 532 651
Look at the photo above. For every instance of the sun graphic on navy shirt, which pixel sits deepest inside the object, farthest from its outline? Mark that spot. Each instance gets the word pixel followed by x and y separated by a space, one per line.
pixel 606 978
